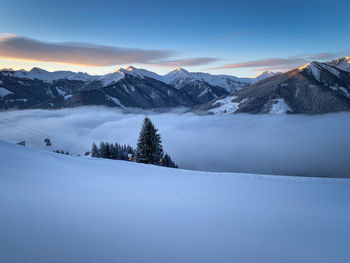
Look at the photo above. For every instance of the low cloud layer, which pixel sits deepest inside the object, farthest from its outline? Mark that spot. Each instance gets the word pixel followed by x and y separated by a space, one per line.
pixel 85 54
pixel 279 144
pixel 284 63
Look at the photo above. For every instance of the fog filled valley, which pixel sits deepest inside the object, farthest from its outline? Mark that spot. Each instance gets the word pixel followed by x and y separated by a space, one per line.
pixel 301 145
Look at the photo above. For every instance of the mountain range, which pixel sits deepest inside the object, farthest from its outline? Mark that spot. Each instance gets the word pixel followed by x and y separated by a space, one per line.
pixel 315 88
pixel 126 87
pixel 312 89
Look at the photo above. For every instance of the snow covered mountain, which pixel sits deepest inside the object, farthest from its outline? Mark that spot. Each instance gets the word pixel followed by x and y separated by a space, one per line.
pixel 180 77
pixel 264 75
pixel 76 209
pixel 315 88
pixel 341 63
pixel 125 87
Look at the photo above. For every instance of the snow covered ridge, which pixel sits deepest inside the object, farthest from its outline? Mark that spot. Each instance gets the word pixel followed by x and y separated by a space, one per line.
pixel 95 210
pixel 180 77
pixel 315 88
pixel 265 74
pixel 178 74
pixel 334 67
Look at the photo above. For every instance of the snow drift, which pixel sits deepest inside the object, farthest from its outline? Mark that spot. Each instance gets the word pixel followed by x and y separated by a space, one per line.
pixel 57 208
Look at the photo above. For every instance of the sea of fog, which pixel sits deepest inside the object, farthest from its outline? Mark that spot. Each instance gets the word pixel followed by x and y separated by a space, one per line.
pixel 270 144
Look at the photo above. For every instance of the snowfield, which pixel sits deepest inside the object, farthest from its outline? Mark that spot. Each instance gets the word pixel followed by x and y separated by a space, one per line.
pixel 58 208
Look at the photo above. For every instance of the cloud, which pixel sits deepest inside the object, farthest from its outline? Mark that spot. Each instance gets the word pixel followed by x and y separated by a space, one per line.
pixel 186 62
pixel 284 63
pixel 269 62
pixel 86 54
pixel 226 143
pixel 75 53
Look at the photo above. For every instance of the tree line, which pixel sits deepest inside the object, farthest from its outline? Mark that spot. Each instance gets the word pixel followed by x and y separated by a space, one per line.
pixel 149 148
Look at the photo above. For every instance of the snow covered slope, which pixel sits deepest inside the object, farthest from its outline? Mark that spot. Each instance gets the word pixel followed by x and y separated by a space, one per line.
pixel 180 77
pixel 57 208
pixel 46 76
pixel 264 75
pixel 341 63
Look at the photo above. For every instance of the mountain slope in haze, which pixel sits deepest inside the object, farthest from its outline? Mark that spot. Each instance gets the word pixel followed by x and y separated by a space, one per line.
pixel 76 209
pixel 315 88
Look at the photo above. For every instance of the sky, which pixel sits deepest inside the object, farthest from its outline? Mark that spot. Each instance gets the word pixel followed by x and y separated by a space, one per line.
pixel 240 38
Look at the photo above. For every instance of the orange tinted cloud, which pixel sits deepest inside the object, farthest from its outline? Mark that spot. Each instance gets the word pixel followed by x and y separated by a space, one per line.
pixel 85 54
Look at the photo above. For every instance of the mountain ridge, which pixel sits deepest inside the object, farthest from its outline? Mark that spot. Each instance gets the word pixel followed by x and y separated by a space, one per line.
pixel 315 88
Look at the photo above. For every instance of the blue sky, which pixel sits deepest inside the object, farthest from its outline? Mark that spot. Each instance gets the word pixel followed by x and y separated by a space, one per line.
pixel 220 37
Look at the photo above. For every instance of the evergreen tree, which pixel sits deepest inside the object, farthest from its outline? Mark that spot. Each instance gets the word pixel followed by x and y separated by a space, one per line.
pixel 107 153
pixel 102 150
pixel 94 150
pixel 168 162
pixel 149 145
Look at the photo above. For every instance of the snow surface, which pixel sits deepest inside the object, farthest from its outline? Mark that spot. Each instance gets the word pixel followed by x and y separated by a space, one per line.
pixel 46 76
pixel 115 100
pixel 333 67
pixel 4 92
pixel 67 97
pixel 231 83
pixel 264 75
pixel 279 107
pixel 226 105
pixel 140 73
pixel 341 63
pixel 58 208
pixel 312 68
pixel 345 91
pixel 14 100
pixel 111 78
pixel 61 92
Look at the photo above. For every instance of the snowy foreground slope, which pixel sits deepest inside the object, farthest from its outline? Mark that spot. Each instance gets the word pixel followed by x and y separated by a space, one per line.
pixel 57 208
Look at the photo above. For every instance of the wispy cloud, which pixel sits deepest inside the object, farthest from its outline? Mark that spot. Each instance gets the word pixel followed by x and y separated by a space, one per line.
pixel 284 63
pixel 264 63
pixel 86 54
pixel 75 53
pixel 186 62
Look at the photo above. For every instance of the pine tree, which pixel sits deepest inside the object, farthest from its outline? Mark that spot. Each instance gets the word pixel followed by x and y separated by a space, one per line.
pixel 107 153
pixel 102 150
pixel 149 145
pixel 94 150
pixel 168 162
